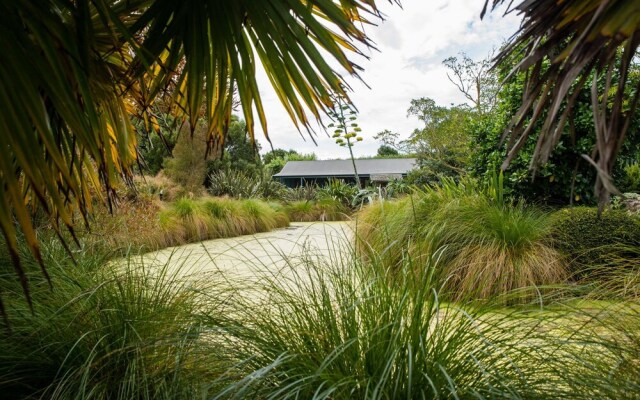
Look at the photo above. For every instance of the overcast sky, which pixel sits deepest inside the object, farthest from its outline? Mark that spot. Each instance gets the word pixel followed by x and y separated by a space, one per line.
pixel 412 42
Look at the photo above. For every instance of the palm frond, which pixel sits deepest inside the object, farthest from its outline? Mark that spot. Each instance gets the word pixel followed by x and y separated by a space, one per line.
pixel 561 45
pixel 74 72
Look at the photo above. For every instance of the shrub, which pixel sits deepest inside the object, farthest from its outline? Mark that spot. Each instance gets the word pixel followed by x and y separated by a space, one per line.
pixel 118 330
pixel 339 190
pixel 194 217
pixel 159 186
pixel 307 192
pixel 630 181
pixel 302 211
pixel 592 242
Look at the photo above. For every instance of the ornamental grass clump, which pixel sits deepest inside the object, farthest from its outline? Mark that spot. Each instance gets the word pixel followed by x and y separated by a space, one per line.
pixel 109 330
pixel 187 220
pixel 487 246
pixel 333 326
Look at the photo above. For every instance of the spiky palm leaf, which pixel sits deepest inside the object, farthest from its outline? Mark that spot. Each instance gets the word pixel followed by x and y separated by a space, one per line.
pixel 561 44
pixel 74 71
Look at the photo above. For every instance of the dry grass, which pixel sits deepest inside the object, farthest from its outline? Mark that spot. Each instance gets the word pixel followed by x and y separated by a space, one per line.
pixel 148 224
pixel 483 270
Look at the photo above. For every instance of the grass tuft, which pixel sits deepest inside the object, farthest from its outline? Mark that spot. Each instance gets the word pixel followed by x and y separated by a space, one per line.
pixel 486 246
pixel 109 330
pixel 189 220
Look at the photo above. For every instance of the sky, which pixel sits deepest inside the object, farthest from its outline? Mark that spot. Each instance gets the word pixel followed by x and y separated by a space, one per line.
pixel 412 42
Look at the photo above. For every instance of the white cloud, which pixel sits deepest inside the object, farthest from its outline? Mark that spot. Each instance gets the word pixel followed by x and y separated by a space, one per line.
pixel 412 43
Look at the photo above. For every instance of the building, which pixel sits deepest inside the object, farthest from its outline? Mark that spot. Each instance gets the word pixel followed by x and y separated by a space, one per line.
pixel 374 170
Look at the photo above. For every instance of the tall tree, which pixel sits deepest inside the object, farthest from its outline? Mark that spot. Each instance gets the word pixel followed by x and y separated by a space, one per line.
pixel 443 139
pixel 392 140
pixel 563 44
pixel 78 69
pixel 239 152
pixel 476 80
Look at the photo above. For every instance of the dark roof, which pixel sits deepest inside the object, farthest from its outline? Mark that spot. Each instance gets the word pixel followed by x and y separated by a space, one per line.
pixel 345 168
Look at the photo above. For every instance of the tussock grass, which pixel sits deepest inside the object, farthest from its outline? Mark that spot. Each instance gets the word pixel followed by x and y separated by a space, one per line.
pixel 118 330
pixel 486 246
pixel 188 220
pixel 326 325
pixel 345 328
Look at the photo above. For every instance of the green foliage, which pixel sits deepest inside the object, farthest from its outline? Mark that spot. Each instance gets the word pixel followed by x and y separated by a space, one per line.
pixel 246 185
pixel 592 242
pixel 109 330
pixel 442 145
pixel 275 160
pixel 391 142
pixel 554 51
pixel 157 143
pixel 486 246
pixel 387 151
pixel 188 166
pixel 630 180
pixel 306 193
pixel 325 209
pixel 240 153
pixel 337 327
pixel 566 178
pixel 187 220
pixel 338 190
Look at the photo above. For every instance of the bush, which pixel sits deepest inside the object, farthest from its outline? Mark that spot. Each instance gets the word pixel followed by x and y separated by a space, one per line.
pixel 486 246
pixel 592 242
pixel 117 330
pixel 307 193
pixel 338 190
pixel 630 181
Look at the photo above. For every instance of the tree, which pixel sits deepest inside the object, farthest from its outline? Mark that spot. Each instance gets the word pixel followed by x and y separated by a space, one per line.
pixel 387 151
pixel 79 69
pixel 443 142
pixel 276 159
pixel 239 153
pixel 188 166
pixel 566 45
pixel 391 140
pixel 476 80
pixel 155 143
pixel 566 178
pixel 347 129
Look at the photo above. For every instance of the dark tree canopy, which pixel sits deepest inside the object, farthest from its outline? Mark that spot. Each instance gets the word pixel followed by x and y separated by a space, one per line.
pixel 560 45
